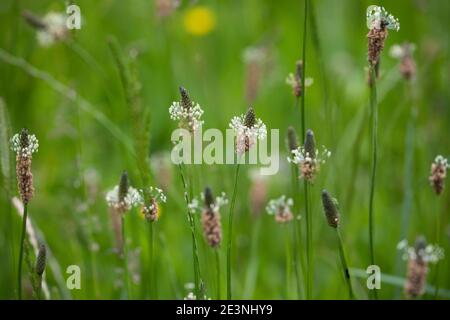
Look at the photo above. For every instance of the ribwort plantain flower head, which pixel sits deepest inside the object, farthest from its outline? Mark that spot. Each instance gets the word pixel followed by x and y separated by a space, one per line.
pixel 378 23
pixel 404 53
pixel 438 174
pixel 331 209
pixel 309 158
pixel 294 80
pixel 281 209
pixel 212 228
pixel 186 112
pixel 50 29
pixel 378 18
pixel 123 197
pixel 248 130
pixel 151 197
pixel 418 257
pixel 429 253
pixel 24 145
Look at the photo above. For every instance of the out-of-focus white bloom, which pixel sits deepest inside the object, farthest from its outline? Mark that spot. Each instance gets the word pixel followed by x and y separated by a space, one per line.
pixel 441 161
pixel 193 206
pixel 399 51
pixel 293 81
pixel 24 150
pixel 432 253
pixel 220 201
pixel 377 17
pixel 55 29
pixel 281 209
pixel 131 199
pixel 282 204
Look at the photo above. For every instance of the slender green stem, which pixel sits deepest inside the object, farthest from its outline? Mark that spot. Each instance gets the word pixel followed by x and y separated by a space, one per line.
pixel 344 265
pixel 219 287
pixel 125 260
pixel 309 247
pixel 374 115
pixel 152 279
pixel 438 240
pixel 187 195
pixel 39 287
pixel 288 263
pixel 22 240
pixel 297 240
pixel 305 29
pixel 230 231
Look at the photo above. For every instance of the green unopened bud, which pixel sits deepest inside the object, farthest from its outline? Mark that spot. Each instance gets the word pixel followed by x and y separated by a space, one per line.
pixel 331 209
pixel 41 260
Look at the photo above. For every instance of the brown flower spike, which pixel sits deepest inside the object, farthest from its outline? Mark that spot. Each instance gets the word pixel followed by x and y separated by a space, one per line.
pixel 212 227
pixel 24 145
pixel 417 271
pixel 378 22
pixel 438 174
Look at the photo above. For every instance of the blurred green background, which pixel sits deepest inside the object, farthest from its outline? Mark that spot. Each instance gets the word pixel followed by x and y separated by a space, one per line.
pixel 250 45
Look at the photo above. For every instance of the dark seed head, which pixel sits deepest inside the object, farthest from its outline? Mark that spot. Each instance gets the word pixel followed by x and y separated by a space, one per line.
pixel 209 198
pixel 123 186
pixel 420 244
pixel 330 208
pixel 41 260
pixel 299 70
pixel 24 139
pixel 292 139
pixel 185 99
pixel 33 20
pixel 310 144
pixel 250 118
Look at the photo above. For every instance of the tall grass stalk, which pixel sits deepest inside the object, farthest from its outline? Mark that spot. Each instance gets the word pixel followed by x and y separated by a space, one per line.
pixel 310 276
pixel 408 179
pixel 187 197
pixel 230 231
pixel 344 265
pixel 374 125
pixel 22 241
pixel 288 262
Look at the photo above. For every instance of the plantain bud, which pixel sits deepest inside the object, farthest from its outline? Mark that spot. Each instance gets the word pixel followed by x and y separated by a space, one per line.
pixel 330 208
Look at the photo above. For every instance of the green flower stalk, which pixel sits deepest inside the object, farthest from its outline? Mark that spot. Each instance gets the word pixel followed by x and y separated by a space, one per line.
pixel 24 145
pixel 378 23
pixel 331 210
pixel 248 130
pixel 121 199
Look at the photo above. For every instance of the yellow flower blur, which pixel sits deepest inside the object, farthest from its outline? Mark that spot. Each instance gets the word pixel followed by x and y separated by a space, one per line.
pixel 199 21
